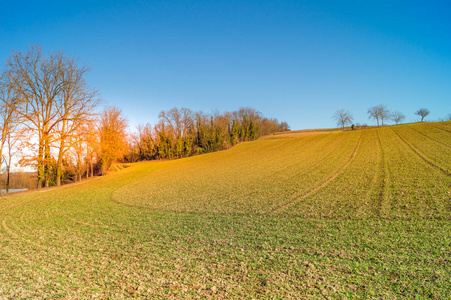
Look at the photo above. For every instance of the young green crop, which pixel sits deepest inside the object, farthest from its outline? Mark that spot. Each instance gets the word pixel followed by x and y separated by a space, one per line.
pixel 361 214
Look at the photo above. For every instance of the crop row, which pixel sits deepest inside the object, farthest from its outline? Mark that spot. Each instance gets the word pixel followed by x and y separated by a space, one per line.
pixel 433 146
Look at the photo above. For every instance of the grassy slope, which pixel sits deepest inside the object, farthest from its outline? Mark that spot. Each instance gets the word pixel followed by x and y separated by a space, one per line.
pixel 354 214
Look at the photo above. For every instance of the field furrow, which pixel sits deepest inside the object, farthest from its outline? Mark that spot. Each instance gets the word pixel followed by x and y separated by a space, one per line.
pixel 382 195
pixel 275 185
pixel 433 153
pixel 417 188
pixel 298 197
pixel 354 191
pixel 433 133
pixel 445 126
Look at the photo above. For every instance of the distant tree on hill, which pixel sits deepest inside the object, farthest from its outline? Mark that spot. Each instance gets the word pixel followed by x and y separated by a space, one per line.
pixel 283 126
pixel 268 126
pixel 397 117
pixel 374 114
pixel 343 117
pixel 448 117
pixel 379 112
pixel 384 113
pixel 422 112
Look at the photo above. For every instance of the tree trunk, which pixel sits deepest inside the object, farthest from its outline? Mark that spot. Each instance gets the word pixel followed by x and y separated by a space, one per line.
pixel 47 164
pixel 92 167
pixel 79 167
pixel 40 165
pixel 88 162
pixel 47 159
pixel 7 177
pixel 59 164
pixel 58 175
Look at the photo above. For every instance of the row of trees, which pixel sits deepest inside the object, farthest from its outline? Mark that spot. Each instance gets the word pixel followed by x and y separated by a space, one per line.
pixel 46 108
pixel 48 114
pixel 379 113
pixel 182 132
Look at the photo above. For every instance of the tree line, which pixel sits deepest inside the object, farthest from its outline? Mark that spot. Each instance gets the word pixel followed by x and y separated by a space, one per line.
pixel 182 132
pixel 49 119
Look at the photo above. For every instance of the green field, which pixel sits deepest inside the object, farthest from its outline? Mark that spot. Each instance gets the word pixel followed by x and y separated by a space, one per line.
pixel 327 215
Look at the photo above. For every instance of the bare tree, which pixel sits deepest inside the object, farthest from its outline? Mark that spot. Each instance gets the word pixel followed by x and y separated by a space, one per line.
pixel 55 101
pixel 379 113
pixel 12 140
pixel 268 126
pixel 384 113
pixel 172 120
pixel 249 120
pixel 283 126
pixel 92 141
pixel 178 123
pixel 448 117
pixel 187 121
pixel 113 137
pixel 144 141
pixel 38 81
pixel 343 117
pixel 221 124
pixel 75 107
pixel 422 112
pixel 397 117
pixel 9 119
pixel 79 149
pixel 374 114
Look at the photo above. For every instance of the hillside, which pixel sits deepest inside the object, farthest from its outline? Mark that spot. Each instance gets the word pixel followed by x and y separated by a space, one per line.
pixel 393 172
pixel 353 214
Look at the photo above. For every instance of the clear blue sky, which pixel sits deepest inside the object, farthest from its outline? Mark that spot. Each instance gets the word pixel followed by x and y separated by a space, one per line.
pixel 298 61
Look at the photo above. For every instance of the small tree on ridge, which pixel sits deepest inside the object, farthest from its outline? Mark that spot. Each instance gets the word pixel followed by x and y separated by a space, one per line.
pixel 379 112
pixel 343 117
pixel 422 112
pixel 397 117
